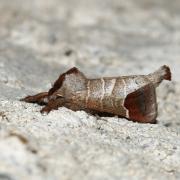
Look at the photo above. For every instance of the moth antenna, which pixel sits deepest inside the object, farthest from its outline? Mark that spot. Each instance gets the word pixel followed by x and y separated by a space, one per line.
pixel 163 73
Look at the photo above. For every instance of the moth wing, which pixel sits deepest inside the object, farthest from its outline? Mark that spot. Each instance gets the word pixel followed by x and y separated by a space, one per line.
pixel 58 83
pixel 141 104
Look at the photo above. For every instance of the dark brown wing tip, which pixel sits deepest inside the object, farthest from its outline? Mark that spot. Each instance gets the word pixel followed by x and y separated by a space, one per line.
pixel 72 70
pixel 141 105
pixel 22 99
pixel 38 98
pixel 26 99
pixel 167 74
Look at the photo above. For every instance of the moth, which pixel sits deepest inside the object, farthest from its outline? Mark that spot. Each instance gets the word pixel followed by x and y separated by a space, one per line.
pixel 132 97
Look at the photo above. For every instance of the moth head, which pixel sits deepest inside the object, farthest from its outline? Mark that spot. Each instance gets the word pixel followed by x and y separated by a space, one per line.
pixel 57 95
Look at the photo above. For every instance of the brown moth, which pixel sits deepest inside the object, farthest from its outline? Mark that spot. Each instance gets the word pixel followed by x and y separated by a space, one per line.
pixel 132 97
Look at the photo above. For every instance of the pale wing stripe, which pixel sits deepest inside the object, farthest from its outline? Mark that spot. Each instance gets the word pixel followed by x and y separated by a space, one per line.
pixel 113 87
pixel 88 92
pixel 125 94
pixel 125 91
pixel 103 92
pixel 113 83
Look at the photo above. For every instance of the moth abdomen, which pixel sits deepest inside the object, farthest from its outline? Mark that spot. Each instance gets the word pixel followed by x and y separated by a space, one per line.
pixel 163 73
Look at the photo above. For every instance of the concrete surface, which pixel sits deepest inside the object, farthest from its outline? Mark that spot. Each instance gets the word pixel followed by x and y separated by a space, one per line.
pixel 41 39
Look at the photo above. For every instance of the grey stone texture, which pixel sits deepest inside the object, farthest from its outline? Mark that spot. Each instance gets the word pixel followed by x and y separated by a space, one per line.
pixel 39 40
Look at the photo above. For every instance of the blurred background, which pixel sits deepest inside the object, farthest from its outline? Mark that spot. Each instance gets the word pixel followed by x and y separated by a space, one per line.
pixel 40 39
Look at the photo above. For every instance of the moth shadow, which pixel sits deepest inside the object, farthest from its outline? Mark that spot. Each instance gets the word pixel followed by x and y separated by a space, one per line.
pixel 105 114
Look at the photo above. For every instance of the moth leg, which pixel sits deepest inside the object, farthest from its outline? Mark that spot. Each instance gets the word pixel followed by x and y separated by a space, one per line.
pixel 53 104
pixel 40 98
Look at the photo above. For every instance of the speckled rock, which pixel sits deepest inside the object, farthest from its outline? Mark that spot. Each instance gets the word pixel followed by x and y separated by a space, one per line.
pixel 41 39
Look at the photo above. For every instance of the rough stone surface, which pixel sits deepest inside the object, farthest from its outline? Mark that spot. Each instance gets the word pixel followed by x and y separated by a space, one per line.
pixel 41 39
